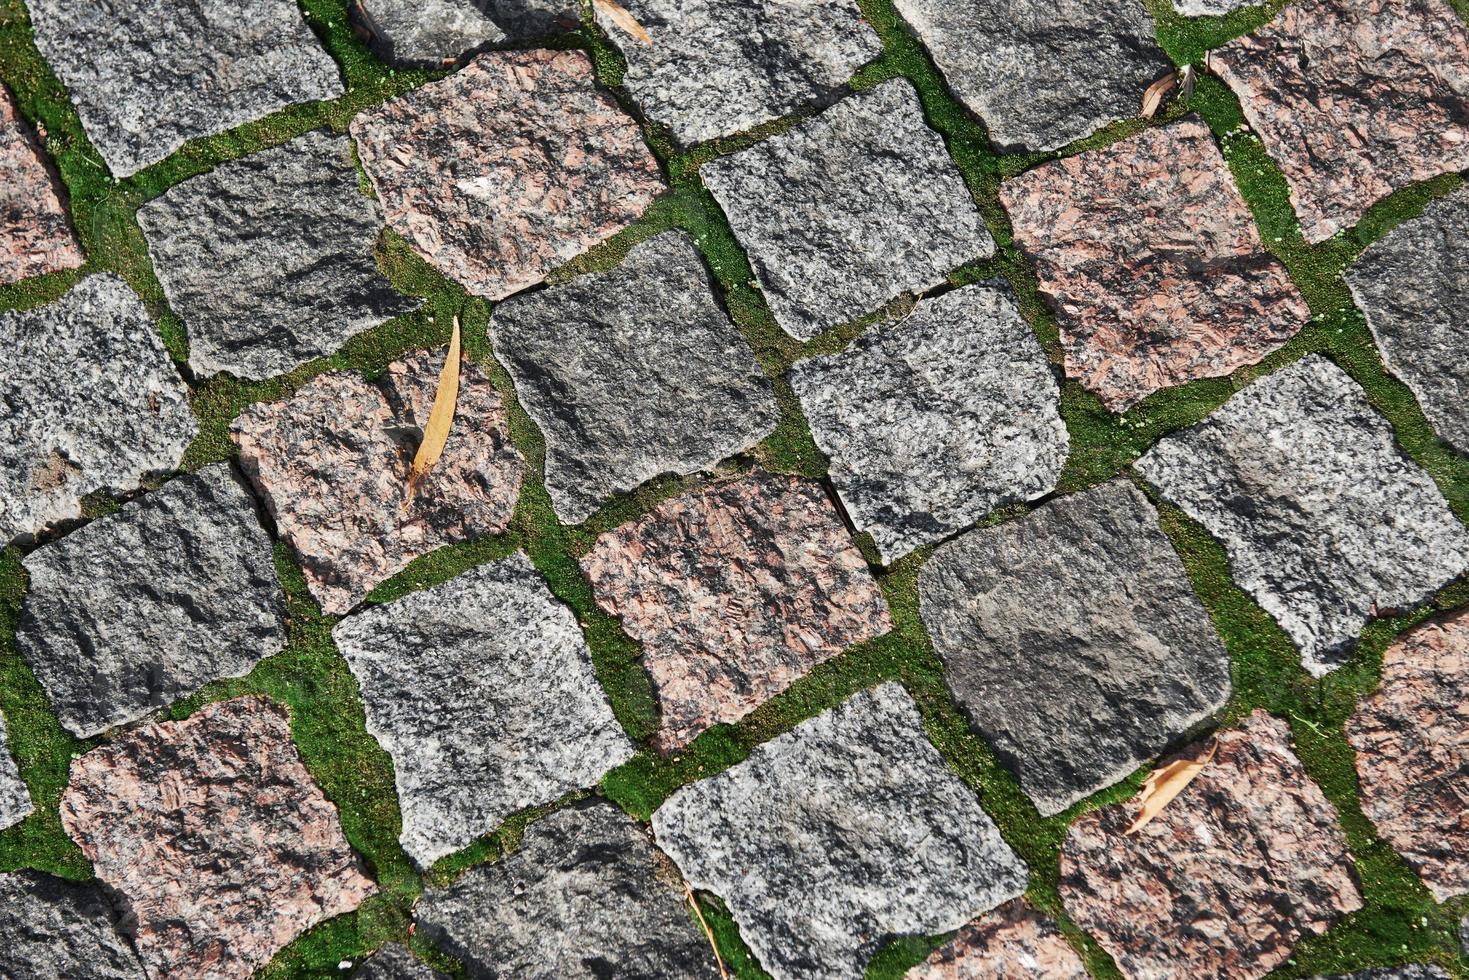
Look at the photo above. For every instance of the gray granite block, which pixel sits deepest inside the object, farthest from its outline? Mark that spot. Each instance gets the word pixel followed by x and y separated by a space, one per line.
pixel 838 836
pixel 1210 8
pixel 849 210
pixel 395 962
pixel 15 798
pixel 1413 971
pixel 424 33
pixel 52 929
pixel 1074 642
pixel 147 605
pixel 526 19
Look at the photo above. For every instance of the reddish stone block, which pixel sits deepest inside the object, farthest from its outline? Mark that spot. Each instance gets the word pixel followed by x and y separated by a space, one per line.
pixel 1010 943
pixel 35 235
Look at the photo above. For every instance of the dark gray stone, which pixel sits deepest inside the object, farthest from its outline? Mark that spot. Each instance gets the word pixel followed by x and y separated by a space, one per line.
pixel 91 402
pixel 258 311
pixel 523 19
pixel 482 691
pixel 1326 522
pixel 583 896
pixel 51 929
pixel 394 962
pixel 933 421
pixel 424 33
pixel 717 67
pixel 1041 73
pixel 1074 642
pixel 15 799
pixel 1413 287
pixel 1414 971
pixel 147 605
pixel 838 836
pixel 631 374
pixel 146 76
pixel 849 210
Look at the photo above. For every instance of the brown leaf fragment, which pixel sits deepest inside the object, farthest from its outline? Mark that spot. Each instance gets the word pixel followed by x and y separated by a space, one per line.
pixel 1166 782
pixel 625 21
pixel 440 418
pixel 1187 78
pixel 1153 97
pixel 719 960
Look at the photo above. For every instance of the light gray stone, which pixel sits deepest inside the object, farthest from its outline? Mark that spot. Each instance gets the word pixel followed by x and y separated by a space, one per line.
pixel 394 962
pixel 1464 934
pixel 1326 522
pixel 256 311
pixel 1210 8
pixel 717 67
pixel 15 799
pixel 146 76
pixel 147 605
pixel 1413 971
pixel 1041 73
pixel 933 421
pixel 1074 642
pixel 849 210
pixel 838 836
pixel 482 691
pixel 583 896
pixel 54 929
pixel 91 403
pixel 1413 287
pixel 631 374
pixel 424 33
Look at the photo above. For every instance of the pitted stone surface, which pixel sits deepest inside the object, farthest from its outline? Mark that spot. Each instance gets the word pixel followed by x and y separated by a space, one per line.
pixel 482 691
pixel 57 930
pixel 1413 287
pixel 1412 742
pixel 932 422
pixel 35 233
pixel 631 374
pixel 583 897
pixel 92 402
pixel 258 311
pixel 1354 99
pixel 1152 263
pixel 503 171
pixel 717 67
pixel 147 605
pixel 838 836
pixel 1325 521
pixel 332 464
pixel 394 962
pixel 1010 943
pixel 1225 881
pixel 214 834
pixel 1074 642
pixel 424 33
pixel 849 210
pixel 15 798
pixel 735 592
pixel 1041 73
pixel 146 76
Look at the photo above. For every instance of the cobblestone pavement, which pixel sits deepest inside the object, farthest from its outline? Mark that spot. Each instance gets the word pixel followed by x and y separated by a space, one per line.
pixel 878 447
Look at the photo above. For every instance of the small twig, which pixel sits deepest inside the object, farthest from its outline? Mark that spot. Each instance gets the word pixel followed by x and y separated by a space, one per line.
pixel 689 894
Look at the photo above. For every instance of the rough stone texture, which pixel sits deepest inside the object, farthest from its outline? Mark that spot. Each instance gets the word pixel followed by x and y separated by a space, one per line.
pixel 258 311
pixel 424 33
pixel 394 962
pixel 632 374
pixel 1415 971
pixel 15 798
pixel 149 604
pixel 332 465
pixel 92 402
pixel 1412 742
pixel 504 170
pixel 146 76
pixel 841 834
pixel 533 18
pixel 717 67
pixel 1210 8
pixel 1464 934
pixel 1354 99
pixel 482 691
pixel 57 930
pixel 849 210
pixel 1152 263
pixel 1010 943
pixel 1246 860
pixel 1413 287
pixel 213 833
pixel 582 897
pixel 35 232
pixel 1041 73
pixel 735 592
pixel 933 421
pixel 1074 642
pixel 1325 521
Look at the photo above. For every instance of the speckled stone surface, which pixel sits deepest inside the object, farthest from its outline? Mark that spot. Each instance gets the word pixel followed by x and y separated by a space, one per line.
pixel 1414 971
pixel 735 592
pixel 933 421
pixel 717 67
pixel 1325 521
pixel 15 798
pixel 57 930
pixel 1210 8
pixel 525 19
pixel 632 374
pixel 845 832
pixel 395 962
pixel 1010 943
pixel 35 231
pixel 849 210
pixel 1354 99
pixel 1151 261
pixel 424 33
pixel 148 75
pixel 508 168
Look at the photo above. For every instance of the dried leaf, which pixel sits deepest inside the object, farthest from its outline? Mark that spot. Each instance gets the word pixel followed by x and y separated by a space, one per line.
pixel 1186 82
pixel 1166 782
pixel 1153 97
pixel 689 894
pixel 440 418
pixel 625 21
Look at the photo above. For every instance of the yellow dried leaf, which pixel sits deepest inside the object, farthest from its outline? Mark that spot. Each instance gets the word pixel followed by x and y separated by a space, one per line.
pixel 1153 97
pixel 1166 782
pixel 719 960
pixel 440 418
pixel 625 21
